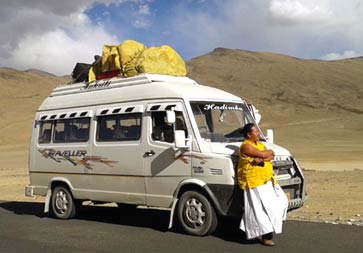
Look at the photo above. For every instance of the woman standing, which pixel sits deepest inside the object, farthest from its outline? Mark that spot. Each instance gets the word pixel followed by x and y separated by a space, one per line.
pixel 265 203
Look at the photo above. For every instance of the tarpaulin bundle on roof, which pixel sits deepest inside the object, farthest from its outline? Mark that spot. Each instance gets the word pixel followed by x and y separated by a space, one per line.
pixel 131 58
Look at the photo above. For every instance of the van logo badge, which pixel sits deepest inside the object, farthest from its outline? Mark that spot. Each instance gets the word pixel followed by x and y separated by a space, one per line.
pixel 222 107
pixel 97 85
pixel 75 157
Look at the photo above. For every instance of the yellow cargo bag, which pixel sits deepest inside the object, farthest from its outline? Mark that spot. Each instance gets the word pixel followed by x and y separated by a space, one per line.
pixel 129 51
pixel 110 58
pixel 161 60
pixel 131 58
pixel 91 75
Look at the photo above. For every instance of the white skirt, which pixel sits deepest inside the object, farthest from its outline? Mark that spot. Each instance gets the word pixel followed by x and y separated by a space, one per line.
pixel 265 209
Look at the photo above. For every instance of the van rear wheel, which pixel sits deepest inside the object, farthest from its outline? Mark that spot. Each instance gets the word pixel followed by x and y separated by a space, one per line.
pixel 196 215
pixel 62 203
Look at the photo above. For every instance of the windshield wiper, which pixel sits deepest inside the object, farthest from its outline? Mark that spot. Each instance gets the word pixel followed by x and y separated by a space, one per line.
pixel 234 139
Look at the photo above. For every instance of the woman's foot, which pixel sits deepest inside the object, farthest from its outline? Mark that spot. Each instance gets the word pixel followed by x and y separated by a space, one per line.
pixel 267 242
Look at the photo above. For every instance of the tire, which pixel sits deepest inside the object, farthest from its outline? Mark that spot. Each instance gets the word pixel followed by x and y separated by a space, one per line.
pixel 196 215
pixel 62 203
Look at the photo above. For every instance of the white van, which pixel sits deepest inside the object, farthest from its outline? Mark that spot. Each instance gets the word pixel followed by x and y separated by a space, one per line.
pixel 150 140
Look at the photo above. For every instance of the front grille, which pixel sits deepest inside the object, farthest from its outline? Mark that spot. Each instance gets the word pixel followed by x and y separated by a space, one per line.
pixel 216 171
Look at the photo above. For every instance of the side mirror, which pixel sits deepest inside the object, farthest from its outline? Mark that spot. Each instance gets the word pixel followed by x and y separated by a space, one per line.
pixel 254 113
pixel 270 136
pixel 170 117
pixel 257 117
pixel 180 140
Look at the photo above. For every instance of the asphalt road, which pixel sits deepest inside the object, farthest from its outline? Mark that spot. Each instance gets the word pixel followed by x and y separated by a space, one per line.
pixel 24 228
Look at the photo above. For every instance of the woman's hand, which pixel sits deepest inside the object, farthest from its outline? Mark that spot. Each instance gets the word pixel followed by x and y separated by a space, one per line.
pixel 270 156
pixel 257 161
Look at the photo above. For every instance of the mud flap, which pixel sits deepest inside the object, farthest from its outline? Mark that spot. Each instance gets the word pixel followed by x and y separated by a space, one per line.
pixel 172 213
pixel 47 200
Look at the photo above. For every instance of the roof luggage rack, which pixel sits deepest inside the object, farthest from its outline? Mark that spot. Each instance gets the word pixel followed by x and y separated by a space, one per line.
pixel 117 83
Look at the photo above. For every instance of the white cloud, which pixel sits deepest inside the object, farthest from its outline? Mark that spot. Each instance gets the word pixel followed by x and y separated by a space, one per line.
pixel 339 56
pixel 304 28
pixel 144 9
pixel 141 24
pixel 49 35
pixel 141 17
pixel 57 52
pixel 299 11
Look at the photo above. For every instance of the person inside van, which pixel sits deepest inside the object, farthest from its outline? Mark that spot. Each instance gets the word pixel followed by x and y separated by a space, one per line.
pixel 73 133
pixel 180 125
pixel 46 136
pixel 162 131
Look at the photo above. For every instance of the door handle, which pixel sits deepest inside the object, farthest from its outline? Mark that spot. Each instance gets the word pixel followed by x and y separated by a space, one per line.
pixel 149 153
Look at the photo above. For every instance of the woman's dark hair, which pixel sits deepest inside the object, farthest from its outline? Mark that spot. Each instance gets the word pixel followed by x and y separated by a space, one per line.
pixel 247 129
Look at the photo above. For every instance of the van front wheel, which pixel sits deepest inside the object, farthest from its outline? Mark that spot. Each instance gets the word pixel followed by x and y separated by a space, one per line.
pixel 196 214
pixel 62 203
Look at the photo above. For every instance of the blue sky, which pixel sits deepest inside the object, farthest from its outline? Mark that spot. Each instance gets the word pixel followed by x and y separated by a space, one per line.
pixel 151 22
pixel 53 35
pixel 143 22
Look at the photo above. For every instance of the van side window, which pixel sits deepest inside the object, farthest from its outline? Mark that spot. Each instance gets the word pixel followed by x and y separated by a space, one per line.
pixel 72 130
pixel 45 132
pixel 121 127
pixel 162 131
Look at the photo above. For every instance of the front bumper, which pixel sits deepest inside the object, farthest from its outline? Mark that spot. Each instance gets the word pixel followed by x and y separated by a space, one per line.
pixel 288 174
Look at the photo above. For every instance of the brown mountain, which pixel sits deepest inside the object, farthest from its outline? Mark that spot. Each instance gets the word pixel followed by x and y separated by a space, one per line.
pixel 270 79
pixel 21 93
pixel 315 107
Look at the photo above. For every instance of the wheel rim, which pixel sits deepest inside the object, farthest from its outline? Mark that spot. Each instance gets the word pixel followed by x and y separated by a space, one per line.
pixel 194 213
pixel 61 202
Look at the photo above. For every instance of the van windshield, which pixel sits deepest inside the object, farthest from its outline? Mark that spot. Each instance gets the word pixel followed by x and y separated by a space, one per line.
pixel 221 122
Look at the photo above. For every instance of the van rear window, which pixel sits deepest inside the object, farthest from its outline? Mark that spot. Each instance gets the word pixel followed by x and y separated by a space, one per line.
pixel 45 132
pixel 121 127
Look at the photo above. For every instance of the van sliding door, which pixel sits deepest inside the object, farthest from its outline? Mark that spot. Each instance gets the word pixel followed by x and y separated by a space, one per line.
pixel 118 175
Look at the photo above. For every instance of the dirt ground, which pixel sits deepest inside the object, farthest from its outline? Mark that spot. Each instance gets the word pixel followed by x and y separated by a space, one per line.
pixel 334 196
